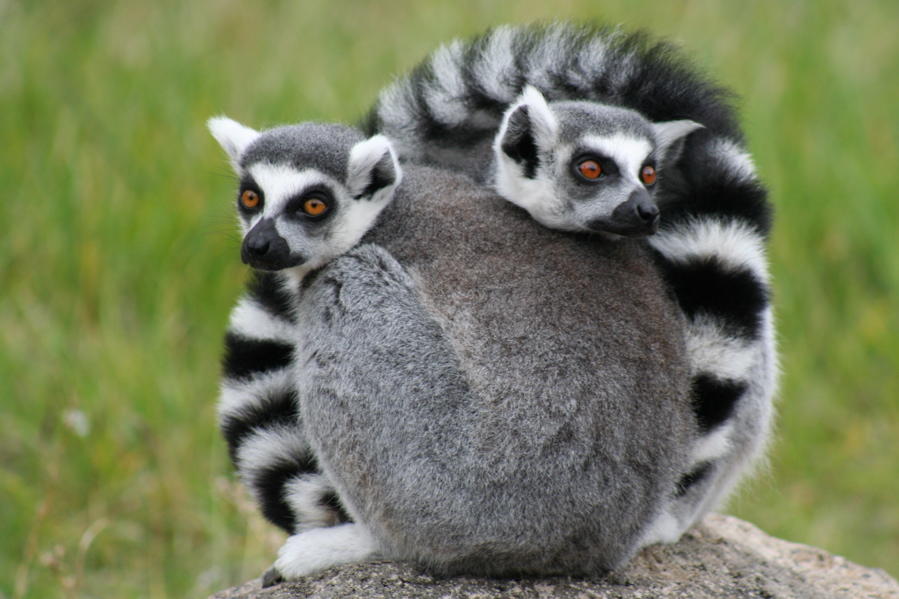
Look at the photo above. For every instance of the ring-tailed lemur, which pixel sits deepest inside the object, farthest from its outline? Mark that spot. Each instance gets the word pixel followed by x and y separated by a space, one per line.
pixel 471 421
pixel 631 97
pixel 468 417
pixel 597 162
pixel 307 194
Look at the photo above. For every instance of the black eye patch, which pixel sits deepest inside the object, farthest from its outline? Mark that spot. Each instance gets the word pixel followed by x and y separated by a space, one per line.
pixel 294 207
pixel 247 183
pixel 608 165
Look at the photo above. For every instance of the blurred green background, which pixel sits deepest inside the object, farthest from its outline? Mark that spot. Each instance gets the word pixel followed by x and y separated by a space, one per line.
pixel 119 262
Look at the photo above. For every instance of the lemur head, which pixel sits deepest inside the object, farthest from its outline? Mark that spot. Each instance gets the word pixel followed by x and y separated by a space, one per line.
pixel 307 192
pixel 585 166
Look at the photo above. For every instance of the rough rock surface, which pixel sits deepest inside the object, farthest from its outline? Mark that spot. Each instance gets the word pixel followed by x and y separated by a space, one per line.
pixel 721 558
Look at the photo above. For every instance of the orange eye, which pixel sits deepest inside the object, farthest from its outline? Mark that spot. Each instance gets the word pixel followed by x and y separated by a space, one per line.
pixel 249 199
pixel 314 207
pixel 648 174
pixel 589 169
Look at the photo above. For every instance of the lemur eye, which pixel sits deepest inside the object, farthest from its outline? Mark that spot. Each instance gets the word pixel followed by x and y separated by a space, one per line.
pixel 315 207
pixel 589 169
pixel 249 199
pixel 648 175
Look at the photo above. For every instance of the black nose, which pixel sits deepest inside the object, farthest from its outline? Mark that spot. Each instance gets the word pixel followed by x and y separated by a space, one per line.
pixel 265 249
pixel 647 213
pixel 639 208
pixel 638 216
pixel 257 246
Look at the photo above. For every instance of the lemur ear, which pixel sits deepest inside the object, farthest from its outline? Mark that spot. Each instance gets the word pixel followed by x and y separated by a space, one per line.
pixel 527 126
pixel 671 136
pixel 232 136
pixel 373 168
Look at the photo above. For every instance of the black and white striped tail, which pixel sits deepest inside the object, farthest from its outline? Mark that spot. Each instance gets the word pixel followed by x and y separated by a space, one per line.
pixel 453 102
pixel 711 250
pixel 259 411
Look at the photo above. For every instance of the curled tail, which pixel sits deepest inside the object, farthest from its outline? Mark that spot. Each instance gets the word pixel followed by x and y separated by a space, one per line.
pixel 711 250
pixel 259 411
pixel 452 103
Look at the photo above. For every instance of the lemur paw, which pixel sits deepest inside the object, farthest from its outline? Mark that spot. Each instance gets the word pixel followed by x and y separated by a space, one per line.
pixel 364 277
pixel 271 577
pixel 321 548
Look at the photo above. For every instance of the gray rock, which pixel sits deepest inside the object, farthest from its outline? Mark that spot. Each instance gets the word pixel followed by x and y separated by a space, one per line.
pixel 722 557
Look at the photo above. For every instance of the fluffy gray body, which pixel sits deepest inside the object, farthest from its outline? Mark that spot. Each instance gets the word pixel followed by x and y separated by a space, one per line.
pixel 481 396
pixel 714 214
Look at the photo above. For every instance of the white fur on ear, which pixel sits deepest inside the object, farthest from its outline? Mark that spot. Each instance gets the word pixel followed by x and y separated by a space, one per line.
pixel 232 136
pixel 528 126
pixel 373 166
pixel 671 135
pixel 544 125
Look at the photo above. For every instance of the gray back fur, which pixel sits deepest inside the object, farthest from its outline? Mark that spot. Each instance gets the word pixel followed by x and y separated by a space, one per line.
pixel 481 396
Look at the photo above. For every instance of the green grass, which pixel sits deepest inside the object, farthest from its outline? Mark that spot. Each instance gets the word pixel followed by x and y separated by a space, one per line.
pixel 118 261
